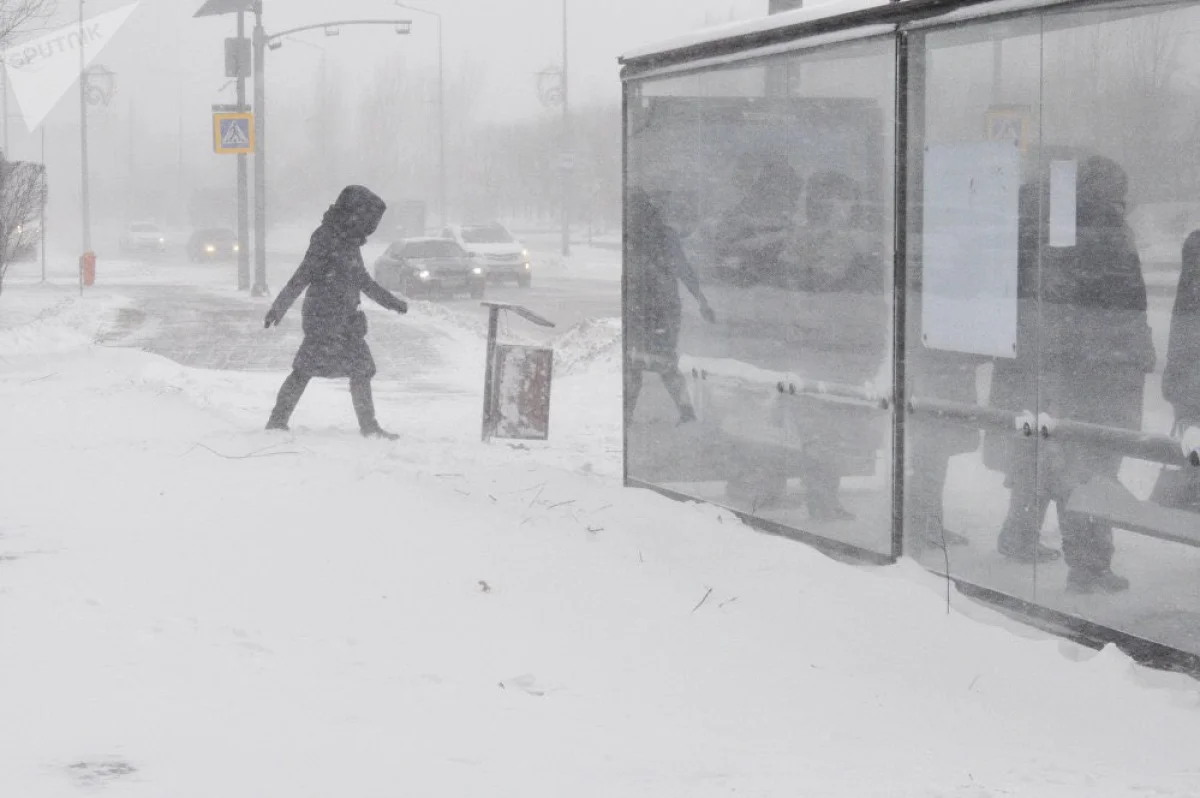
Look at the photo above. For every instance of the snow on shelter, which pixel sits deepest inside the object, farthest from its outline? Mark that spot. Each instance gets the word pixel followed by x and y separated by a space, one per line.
pixel 922 279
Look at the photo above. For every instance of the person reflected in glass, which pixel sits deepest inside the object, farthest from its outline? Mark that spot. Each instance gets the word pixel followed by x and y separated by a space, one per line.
pixel 1014 388
pixel 751 235
pixel 653 305
pixel 1096 351
pixel 830 253
pixel 1181 380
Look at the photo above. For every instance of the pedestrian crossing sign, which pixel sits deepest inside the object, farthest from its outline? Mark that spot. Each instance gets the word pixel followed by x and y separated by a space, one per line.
pixel 1009 123
pixel 233 134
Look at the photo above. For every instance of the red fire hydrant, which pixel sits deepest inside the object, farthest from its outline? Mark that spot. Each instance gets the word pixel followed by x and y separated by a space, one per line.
pixel 87 267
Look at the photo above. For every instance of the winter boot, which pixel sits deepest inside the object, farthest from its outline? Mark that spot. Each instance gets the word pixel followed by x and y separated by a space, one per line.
pixel 1086 580
pixel 379 432
pixel 1037 553
pixel 289 396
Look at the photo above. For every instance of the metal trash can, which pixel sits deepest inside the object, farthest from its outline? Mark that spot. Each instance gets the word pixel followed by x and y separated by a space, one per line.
pixel 516 392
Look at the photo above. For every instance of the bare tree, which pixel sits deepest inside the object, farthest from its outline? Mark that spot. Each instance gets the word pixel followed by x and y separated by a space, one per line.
pixel 17 16
pixel 23 194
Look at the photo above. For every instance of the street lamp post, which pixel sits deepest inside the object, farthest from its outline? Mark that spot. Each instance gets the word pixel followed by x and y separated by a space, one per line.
pixel 86 209
pixel 243 178
pixel 566 165
pixel 260 155
pixel 441 113
pixel 261 40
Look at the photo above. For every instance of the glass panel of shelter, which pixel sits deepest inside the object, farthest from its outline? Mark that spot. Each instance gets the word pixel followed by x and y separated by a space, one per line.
pixel 970 317
pixel 759 265
pixel 1104 288
pixel 1120 318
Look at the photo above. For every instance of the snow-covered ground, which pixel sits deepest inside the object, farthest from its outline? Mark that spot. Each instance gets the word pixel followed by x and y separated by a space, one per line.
pixel 192 607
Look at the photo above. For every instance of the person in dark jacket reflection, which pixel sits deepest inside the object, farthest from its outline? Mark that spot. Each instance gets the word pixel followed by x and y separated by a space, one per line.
pixel 1181 378
pixel 335 328
pixel 654 310
pixel 1014 388
pixel 831 254
pixel 1096 351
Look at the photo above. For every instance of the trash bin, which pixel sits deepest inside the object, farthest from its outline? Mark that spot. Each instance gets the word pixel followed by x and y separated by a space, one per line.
pixel 517 378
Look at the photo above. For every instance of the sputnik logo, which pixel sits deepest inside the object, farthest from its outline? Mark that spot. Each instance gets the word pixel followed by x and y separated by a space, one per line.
pixel 44 69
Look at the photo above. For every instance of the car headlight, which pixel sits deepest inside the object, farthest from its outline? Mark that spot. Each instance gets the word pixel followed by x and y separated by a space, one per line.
pixel 209 248
pixel 237 247
pixel 423 274
pixel 162 240
pixel 528 266
pixel 477 270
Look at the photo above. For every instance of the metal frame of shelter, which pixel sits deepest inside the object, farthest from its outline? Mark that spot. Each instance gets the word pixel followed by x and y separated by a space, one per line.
pixel 833 23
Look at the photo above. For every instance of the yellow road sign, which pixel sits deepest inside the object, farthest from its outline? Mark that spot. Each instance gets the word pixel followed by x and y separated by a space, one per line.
pixel 233 134
pixel 1011 123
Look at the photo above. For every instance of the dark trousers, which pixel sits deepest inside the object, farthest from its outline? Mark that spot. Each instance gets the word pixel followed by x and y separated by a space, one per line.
pixel 293 388
pixel 927 483
pixel 1087 541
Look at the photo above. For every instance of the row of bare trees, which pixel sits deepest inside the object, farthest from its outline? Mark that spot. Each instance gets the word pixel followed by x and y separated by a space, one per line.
pixel 22 184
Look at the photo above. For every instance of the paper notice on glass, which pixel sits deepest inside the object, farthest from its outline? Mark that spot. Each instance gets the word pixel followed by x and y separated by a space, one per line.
pixel 969 247
pixel 1063 179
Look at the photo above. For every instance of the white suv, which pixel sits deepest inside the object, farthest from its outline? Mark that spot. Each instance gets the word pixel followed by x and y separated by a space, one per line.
pixel 143 237
pixel 502 256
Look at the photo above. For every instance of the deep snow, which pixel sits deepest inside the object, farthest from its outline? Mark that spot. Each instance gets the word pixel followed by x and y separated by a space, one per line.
pixel 190 606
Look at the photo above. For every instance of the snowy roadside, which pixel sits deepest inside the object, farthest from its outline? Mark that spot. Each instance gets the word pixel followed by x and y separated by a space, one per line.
pixel 217 610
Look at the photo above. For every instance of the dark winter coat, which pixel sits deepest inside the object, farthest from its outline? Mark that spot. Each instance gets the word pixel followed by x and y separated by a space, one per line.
pixel 1014 380
pixel 1181 379
pixel 1095 334
pixel 334 275
pixel 657 266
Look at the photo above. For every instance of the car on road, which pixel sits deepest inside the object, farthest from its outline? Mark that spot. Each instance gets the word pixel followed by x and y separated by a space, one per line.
pixel 210 244
pixel 502 255
pixel 143 237
pixel 428 266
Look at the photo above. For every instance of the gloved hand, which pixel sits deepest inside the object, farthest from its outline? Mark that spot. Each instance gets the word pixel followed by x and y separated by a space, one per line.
pixel 401 306
pixel 273 318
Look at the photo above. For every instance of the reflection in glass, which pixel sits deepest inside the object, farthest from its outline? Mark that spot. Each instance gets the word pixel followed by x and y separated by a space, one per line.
pixel 781 207
pixel 1091 413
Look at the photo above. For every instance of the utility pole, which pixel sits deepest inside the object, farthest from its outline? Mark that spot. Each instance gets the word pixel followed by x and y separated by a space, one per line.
pixel 260 155
pixel 86 211
pixel 243 178
pixel 42 221
pixel 441 111
pixel 441 125
pixel 566 164
pixel 4 80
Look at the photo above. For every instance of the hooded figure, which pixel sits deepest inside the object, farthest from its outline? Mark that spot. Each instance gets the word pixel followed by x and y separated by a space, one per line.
pixel 335 329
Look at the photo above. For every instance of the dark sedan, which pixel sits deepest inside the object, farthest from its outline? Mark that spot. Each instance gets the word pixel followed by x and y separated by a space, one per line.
pixel 427 266
pixel 212 244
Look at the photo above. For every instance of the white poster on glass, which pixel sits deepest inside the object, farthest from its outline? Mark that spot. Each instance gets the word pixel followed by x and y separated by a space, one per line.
pixel 969 247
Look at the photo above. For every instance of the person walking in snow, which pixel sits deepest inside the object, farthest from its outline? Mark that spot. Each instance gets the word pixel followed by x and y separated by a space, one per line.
pixel 655 310
pixel 335 327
